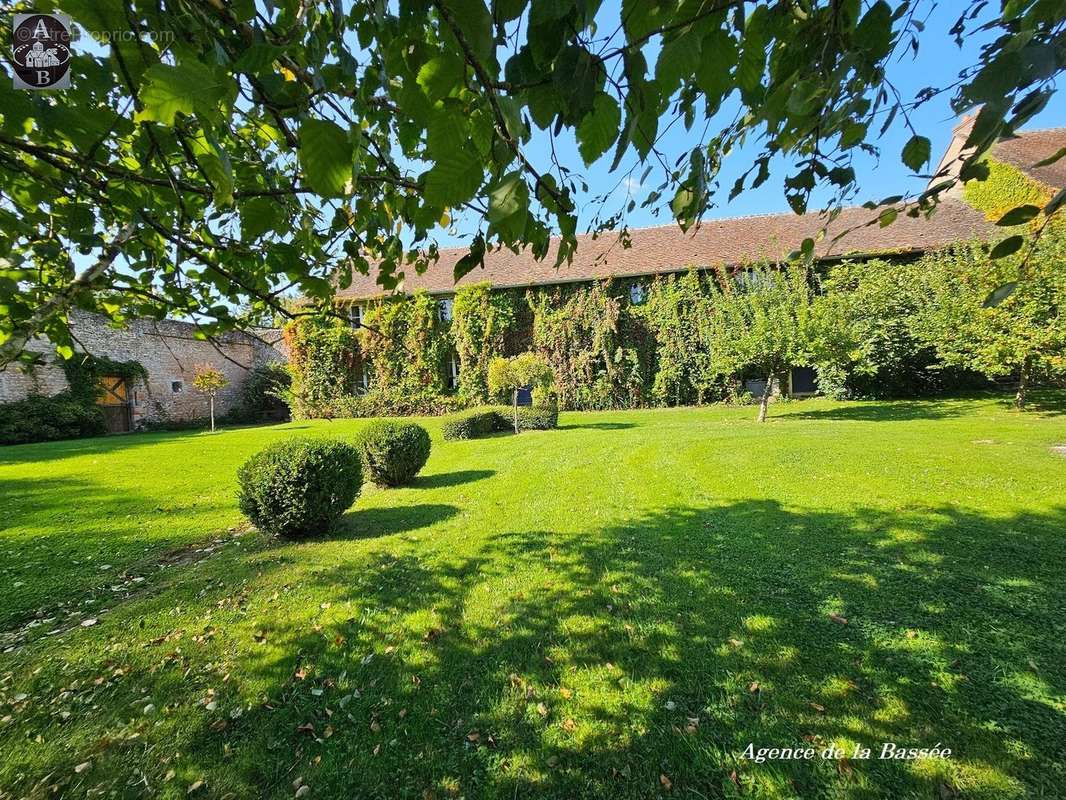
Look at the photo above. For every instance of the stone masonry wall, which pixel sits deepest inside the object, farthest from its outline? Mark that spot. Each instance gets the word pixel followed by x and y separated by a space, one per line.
pixel 171 355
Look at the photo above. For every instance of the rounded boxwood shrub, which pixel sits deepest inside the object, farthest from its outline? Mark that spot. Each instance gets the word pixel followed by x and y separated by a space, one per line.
pixel 393 452
pixel 300 487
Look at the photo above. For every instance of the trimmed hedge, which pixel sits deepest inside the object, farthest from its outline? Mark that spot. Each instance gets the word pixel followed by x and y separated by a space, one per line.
pixel 43 419
pixel 393 452
pixel 491 419
pixel 301 486
pixel 472 424
pixel 536 418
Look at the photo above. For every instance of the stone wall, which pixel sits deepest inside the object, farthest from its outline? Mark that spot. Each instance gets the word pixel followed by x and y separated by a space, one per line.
pixel 169 352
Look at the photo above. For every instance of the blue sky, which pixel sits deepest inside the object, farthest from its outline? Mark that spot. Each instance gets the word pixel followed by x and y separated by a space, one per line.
pixel 938 62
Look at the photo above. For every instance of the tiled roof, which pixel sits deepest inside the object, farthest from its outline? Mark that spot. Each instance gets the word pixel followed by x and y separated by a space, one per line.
pixel 731 241
pixel 1029 148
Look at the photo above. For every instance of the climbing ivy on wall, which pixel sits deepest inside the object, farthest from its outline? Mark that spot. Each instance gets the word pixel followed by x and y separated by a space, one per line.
pixel 407 347
pixel 678 314
pixel 579 331
pixel 323 360
pixel 481 322
pixel 84 371
pixel 1004 188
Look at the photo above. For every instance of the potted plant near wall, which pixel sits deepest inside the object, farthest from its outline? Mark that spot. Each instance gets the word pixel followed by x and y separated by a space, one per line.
pixel 508 376
pixel 210 381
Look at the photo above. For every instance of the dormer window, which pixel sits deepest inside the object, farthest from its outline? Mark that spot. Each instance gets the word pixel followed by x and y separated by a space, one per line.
pixel 638 294
pixel 444 309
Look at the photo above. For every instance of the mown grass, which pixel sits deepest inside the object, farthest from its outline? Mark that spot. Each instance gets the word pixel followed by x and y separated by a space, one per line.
pixel 613 609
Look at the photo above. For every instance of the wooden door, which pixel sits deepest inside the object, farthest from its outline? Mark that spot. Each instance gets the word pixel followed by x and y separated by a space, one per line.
pixel 115 404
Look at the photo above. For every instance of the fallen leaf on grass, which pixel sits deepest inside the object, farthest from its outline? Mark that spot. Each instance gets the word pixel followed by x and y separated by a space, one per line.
pixel 819 708
pixel 195 787
pixel 753 687
pixel 83 767
pixel 666 782
pixel 839 620
pixel 569 725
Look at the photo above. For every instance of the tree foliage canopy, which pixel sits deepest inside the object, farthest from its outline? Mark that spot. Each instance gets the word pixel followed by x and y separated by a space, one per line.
pixel 274 147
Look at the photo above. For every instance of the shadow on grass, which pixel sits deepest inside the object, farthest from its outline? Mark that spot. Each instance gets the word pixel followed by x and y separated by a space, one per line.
pixel 445 479
pixel 599 426
pixel 376 522
pixel 874 411
pixel 561 666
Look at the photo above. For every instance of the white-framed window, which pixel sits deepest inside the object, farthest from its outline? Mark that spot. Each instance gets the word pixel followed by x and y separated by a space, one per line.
pixel 355 314
pixel 453 372
pixel 367 376
pixel 638 294
pixel 444 309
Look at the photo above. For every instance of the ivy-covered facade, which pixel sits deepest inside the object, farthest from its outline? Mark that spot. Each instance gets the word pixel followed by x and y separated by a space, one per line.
pixel 621 327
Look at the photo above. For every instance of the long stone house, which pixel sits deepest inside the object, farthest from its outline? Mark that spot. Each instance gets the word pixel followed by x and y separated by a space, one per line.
pixel 854 234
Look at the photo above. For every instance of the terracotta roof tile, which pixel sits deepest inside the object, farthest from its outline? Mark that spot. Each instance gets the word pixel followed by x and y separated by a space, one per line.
pixel 723 241
pixel 1030 147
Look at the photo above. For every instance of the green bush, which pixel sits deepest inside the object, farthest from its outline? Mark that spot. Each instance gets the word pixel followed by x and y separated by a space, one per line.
pixel 43 419
pixel 537 418
pixel 300 487
pixel 262 393
pixel 474 423
pixel 393 452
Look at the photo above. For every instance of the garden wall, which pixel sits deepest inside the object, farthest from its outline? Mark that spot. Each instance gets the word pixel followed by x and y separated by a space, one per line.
pixel 170 354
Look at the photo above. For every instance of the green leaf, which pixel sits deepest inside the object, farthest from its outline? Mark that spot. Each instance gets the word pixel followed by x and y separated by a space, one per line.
pixel 474 20
pixel 1055 203
pixel 679 59
pixel 916 152
pixel 509 206
pixel 475 258
pixel 1019 216
pixel 259 57
pixel 188 87
pixel 874 33
pixel 216 165
pixel 440 75
pixel 326 156
pixel 259 216
pixel 1012 244
pixel 455 178
pixel 718 56
pixel 999 294
pixel 1047 162
pixel 599 128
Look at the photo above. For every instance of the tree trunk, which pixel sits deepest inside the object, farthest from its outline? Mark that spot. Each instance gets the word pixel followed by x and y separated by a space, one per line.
pixel 1023 386
pixel 514 395
pixel 765 400
pixel 212 399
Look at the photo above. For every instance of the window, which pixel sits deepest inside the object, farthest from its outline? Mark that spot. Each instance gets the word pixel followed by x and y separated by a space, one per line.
pixel 453 372
pixel 367 376
pixel 638 294
pixel 444 308
pixel 355 315
pixel 175 386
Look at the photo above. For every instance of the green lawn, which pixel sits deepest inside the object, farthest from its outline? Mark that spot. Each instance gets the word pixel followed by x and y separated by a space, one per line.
pixel 614 609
